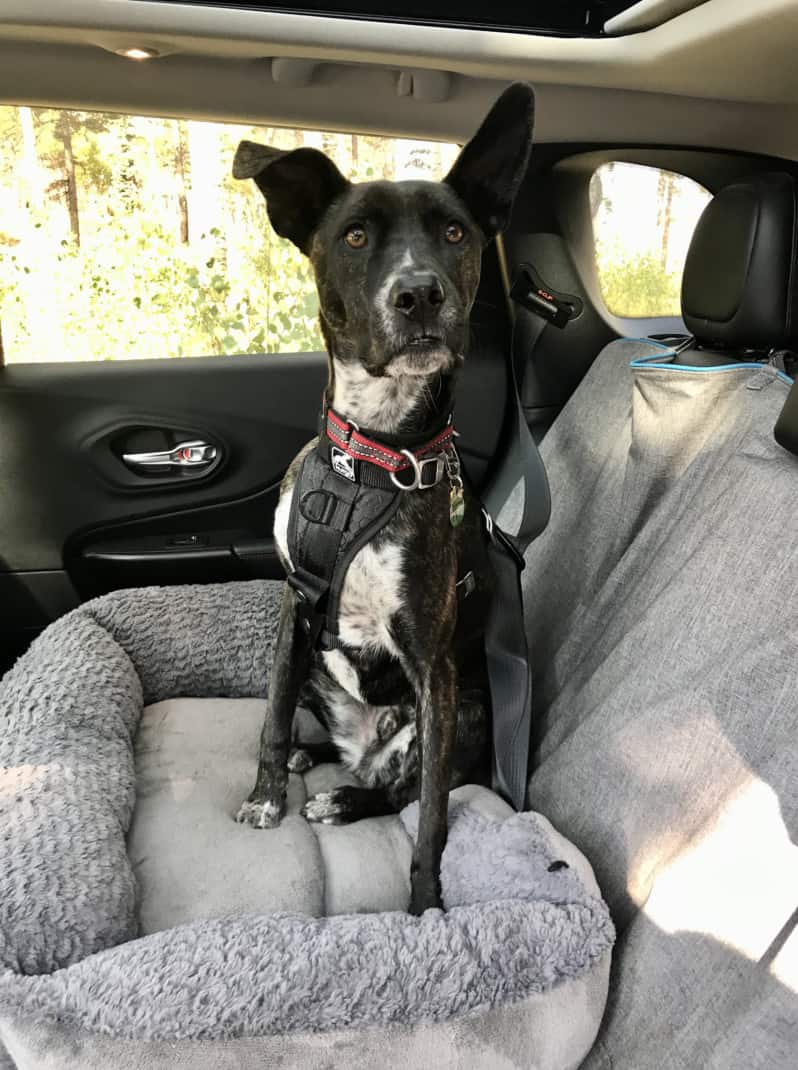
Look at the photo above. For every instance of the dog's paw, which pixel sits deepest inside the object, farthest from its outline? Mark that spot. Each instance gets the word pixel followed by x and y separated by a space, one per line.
pixel 260 813
pixel 329 807
pixel 299 761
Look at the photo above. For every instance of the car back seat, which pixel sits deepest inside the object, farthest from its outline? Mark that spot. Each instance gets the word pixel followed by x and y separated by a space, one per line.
pixel 662 607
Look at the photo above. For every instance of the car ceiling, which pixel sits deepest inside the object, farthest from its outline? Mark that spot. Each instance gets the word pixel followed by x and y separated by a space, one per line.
pixel 721 74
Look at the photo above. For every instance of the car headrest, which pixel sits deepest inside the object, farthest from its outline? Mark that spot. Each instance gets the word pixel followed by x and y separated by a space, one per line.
pixel 740 284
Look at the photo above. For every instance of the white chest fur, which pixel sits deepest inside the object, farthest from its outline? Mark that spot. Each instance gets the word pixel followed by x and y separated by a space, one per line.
pixel 371 596
pixel 281 515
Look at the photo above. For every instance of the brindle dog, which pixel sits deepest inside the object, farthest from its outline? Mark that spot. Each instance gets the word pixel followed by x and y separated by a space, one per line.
pixel 397 266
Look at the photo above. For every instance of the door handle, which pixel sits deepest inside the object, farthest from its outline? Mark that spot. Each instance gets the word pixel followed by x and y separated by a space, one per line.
pixel 183 455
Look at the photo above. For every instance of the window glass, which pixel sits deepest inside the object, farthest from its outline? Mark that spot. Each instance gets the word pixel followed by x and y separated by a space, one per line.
pixel 123 236
pixel 643 220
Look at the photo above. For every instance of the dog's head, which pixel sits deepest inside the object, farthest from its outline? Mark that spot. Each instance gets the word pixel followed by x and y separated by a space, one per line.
pixel 397 263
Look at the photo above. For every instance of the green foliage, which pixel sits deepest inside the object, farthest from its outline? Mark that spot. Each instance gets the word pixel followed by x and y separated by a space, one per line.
pixel 174 257
pixel 140 295
pixel 637 285
pixel 94 170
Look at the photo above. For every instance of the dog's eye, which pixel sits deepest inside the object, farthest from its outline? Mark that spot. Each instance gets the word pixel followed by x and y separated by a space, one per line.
pixel 454 233
pixel 356 237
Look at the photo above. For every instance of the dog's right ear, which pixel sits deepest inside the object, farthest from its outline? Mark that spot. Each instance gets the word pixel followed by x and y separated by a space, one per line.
pixel 299 186
pixel 489 170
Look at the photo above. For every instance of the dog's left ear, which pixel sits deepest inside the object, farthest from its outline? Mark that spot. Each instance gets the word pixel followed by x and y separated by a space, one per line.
pixel 299 186
pixel 489 170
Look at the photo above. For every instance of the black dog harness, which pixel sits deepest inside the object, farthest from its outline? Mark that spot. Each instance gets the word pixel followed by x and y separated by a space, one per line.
pixel 347 490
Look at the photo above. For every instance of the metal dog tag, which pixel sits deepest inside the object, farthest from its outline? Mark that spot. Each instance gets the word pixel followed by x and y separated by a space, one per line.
pixel 456 505
pixel 456 497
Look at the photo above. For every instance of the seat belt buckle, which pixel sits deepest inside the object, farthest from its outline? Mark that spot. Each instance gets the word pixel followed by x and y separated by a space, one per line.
pixel 531 292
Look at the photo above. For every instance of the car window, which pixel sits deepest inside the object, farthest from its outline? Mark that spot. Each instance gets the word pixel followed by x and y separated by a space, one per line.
pixel 643 220
pixel 125 236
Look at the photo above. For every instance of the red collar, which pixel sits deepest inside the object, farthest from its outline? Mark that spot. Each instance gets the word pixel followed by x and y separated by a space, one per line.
pixel 425 460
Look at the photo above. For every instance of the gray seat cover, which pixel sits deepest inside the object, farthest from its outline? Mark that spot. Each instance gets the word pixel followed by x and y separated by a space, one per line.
pixel 662 608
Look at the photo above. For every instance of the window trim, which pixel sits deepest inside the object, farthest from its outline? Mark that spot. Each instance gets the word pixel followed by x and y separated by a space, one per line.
pixel 568 18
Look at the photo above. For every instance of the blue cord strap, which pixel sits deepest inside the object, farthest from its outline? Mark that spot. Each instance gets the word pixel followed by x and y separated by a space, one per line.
pixel 662 361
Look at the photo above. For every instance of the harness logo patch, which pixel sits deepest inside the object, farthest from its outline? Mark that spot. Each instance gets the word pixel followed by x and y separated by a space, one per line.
pixel 342 463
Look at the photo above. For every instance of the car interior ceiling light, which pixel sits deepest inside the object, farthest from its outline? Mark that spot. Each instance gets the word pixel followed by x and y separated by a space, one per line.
pixel 138 53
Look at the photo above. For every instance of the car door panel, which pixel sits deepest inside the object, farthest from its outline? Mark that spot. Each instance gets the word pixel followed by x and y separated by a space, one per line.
pixel 78 520
pixel 63 429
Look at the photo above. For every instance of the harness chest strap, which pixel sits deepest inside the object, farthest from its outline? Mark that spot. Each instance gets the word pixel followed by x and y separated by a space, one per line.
pixel 347 490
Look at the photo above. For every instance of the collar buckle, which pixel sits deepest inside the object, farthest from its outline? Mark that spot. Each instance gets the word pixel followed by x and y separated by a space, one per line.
pixel 427 473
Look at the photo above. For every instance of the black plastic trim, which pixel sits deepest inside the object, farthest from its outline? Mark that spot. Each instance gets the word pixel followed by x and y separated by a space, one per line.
pixel 566 18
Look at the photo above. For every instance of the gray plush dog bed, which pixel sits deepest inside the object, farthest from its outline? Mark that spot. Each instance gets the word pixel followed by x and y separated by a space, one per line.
pixel 140 926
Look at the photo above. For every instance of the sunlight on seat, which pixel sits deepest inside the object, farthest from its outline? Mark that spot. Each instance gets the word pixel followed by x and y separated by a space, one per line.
pixel 736 881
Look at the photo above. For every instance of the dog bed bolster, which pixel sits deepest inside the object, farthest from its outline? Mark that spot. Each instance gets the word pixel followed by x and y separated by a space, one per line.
pixel 513 973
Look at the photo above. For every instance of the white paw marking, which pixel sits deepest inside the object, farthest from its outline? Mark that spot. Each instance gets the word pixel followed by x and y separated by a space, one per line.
pixel 323 809
pixel 264 815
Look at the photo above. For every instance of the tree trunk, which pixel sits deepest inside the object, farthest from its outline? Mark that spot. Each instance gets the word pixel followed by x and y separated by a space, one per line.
pixel 71 179
pixel 182 198
pixel 34 246
pixel 666 230
pixel 33 180
pixel 182 201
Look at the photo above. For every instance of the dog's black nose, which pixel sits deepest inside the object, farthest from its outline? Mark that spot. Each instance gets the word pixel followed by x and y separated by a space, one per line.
pixel 417 295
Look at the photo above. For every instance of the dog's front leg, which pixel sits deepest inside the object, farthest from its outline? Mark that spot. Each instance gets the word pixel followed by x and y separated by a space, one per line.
pixel 437 727
pixel 265 806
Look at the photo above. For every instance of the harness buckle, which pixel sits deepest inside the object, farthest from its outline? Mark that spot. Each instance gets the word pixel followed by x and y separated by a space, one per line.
pixel 421 481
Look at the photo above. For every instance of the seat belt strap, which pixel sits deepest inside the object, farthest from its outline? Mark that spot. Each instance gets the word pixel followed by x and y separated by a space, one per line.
pixel 517 497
